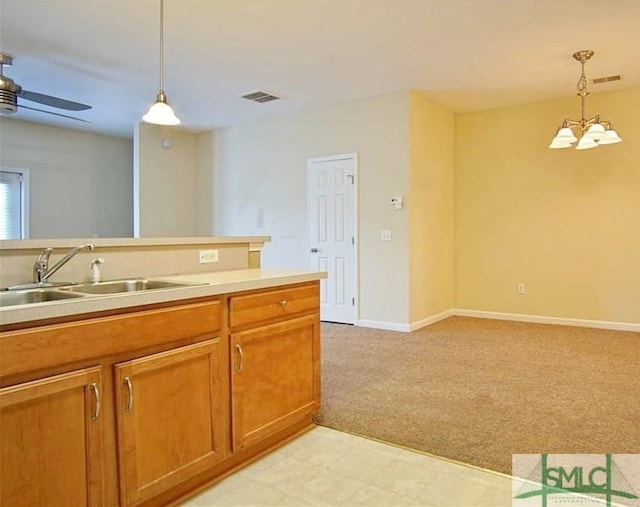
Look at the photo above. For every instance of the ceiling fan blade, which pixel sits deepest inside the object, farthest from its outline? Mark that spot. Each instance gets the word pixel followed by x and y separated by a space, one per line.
pixel 49 100
pixel 51 112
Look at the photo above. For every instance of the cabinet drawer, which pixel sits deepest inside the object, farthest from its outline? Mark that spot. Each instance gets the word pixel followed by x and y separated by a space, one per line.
pixel 51 346
pixel 276 303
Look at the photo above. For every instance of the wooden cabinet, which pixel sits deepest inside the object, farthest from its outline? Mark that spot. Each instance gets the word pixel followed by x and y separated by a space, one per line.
pixel 54 453
pixel 144 407
pixel 275 370
pixel 169 408
pixel 51 441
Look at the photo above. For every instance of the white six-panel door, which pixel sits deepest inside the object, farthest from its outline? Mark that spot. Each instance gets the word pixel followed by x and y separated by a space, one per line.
pixel 332 242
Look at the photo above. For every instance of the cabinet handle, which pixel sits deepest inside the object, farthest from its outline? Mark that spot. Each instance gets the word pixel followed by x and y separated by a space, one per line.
pixel 283 303
pixel 239 349
pixel 96 395
pixel 127 382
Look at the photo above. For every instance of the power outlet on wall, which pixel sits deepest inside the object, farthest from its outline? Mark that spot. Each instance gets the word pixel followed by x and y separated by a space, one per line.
pixel 520 289
pixel 208 256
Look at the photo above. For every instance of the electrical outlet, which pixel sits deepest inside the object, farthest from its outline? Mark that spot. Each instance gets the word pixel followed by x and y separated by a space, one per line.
pixel 208 256
pixel 520 289
pixel 385 235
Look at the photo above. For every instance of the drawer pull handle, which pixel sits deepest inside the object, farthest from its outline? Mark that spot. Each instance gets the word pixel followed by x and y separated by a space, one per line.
pixel 241 362
pixel 96 395
pixel 127 382
pixel 283 303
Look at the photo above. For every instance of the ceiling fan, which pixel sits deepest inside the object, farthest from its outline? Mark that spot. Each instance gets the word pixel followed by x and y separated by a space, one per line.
pixel 10 92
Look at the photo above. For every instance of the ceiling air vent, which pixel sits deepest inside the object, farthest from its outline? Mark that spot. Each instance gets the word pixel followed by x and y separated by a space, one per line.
pixel 600 80
pixel 260 96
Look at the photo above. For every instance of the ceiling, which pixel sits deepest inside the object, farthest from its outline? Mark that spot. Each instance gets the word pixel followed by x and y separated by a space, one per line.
pixel 465 54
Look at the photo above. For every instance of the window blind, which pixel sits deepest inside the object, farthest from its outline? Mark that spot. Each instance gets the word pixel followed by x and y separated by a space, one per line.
pixel 10 205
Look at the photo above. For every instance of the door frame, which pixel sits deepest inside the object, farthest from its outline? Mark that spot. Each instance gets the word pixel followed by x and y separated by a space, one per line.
pixel 356 222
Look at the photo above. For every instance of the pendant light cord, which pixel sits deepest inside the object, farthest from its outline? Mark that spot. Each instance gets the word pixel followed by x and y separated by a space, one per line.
pixel 161 46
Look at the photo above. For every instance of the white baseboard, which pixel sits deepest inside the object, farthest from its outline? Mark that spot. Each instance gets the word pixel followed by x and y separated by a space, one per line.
pixel 387 326
pixel 517 317
pixel 543 319
pixel 431 320
pixel 404 328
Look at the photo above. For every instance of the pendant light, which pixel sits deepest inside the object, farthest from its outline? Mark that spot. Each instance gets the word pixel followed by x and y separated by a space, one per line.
pixel 161 112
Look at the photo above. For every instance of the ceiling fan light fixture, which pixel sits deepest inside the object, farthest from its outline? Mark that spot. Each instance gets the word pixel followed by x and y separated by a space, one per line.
pixel 161 112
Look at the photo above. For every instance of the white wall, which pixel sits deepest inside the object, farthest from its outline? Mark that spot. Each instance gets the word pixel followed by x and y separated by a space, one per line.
pixel 80 182
pixel 167 181
pixel 260 171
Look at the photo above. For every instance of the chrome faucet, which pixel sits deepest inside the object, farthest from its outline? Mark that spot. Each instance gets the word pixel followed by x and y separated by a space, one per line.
pixel 41 270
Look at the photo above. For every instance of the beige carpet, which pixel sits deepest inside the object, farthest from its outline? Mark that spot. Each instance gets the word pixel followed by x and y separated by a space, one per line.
pixel 477 390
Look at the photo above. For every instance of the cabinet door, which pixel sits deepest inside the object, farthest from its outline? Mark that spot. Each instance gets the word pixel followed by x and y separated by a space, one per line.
pixel 169 410
pixel 51 441
pixel 275 378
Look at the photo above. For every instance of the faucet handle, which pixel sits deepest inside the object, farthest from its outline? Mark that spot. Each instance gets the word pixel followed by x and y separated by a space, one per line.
pixel 41 265
pixel 44 256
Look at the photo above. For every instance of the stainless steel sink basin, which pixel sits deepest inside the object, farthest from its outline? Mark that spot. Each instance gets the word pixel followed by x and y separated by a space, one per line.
pixel 28 297
pixel 122 286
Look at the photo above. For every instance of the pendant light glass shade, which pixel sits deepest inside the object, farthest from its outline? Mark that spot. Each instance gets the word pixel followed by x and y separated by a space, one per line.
pixel 586 143
pixel 596 132
pixel 555 144
pixel 612 138
pixel 161 112
pixel 565 135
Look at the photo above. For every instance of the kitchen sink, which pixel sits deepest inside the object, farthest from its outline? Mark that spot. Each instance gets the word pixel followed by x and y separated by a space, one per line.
pixel 27 297
pixel 122 286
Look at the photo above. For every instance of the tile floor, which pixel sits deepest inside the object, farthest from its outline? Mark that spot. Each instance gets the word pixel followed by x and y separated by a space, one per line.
pixel 325 467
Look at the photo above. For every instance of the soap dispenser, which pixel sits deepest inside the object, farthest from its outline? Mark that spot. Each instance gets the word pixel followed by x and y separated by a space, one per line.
pixel 95 269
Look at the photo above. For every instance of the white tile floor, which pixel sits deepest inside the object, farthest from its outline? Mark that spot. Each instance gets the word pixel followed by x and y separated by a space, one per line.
pixel 326 467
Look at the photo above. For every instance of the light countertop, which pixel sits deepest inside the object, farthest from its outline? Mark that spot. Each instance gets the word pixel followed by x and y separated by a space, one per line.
pixel 212 284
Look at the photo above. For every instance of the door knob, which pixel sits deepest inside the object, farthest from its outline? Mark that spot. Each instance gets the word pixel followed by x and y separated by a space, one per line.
pixel 314 250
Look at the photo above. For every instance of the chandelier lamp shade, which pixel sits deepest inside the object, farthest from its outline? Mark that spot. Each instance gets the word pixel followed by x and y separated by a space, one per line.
pixel 161 112
pixel 593 131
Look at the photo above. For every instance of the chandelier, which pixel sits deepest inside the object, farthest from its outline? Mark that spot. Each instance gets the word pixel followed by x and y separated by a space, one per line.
pixel 593 131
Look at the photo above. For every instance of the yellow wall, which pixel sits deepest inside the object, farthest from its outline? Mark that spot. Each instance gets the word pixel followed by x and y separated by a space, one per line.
pixel 565 223
pixel 430 208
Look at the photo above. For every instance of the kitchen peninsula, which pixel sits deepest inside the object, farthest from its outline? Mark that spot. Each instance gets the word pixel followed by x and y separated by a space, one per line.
pixel 148 396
